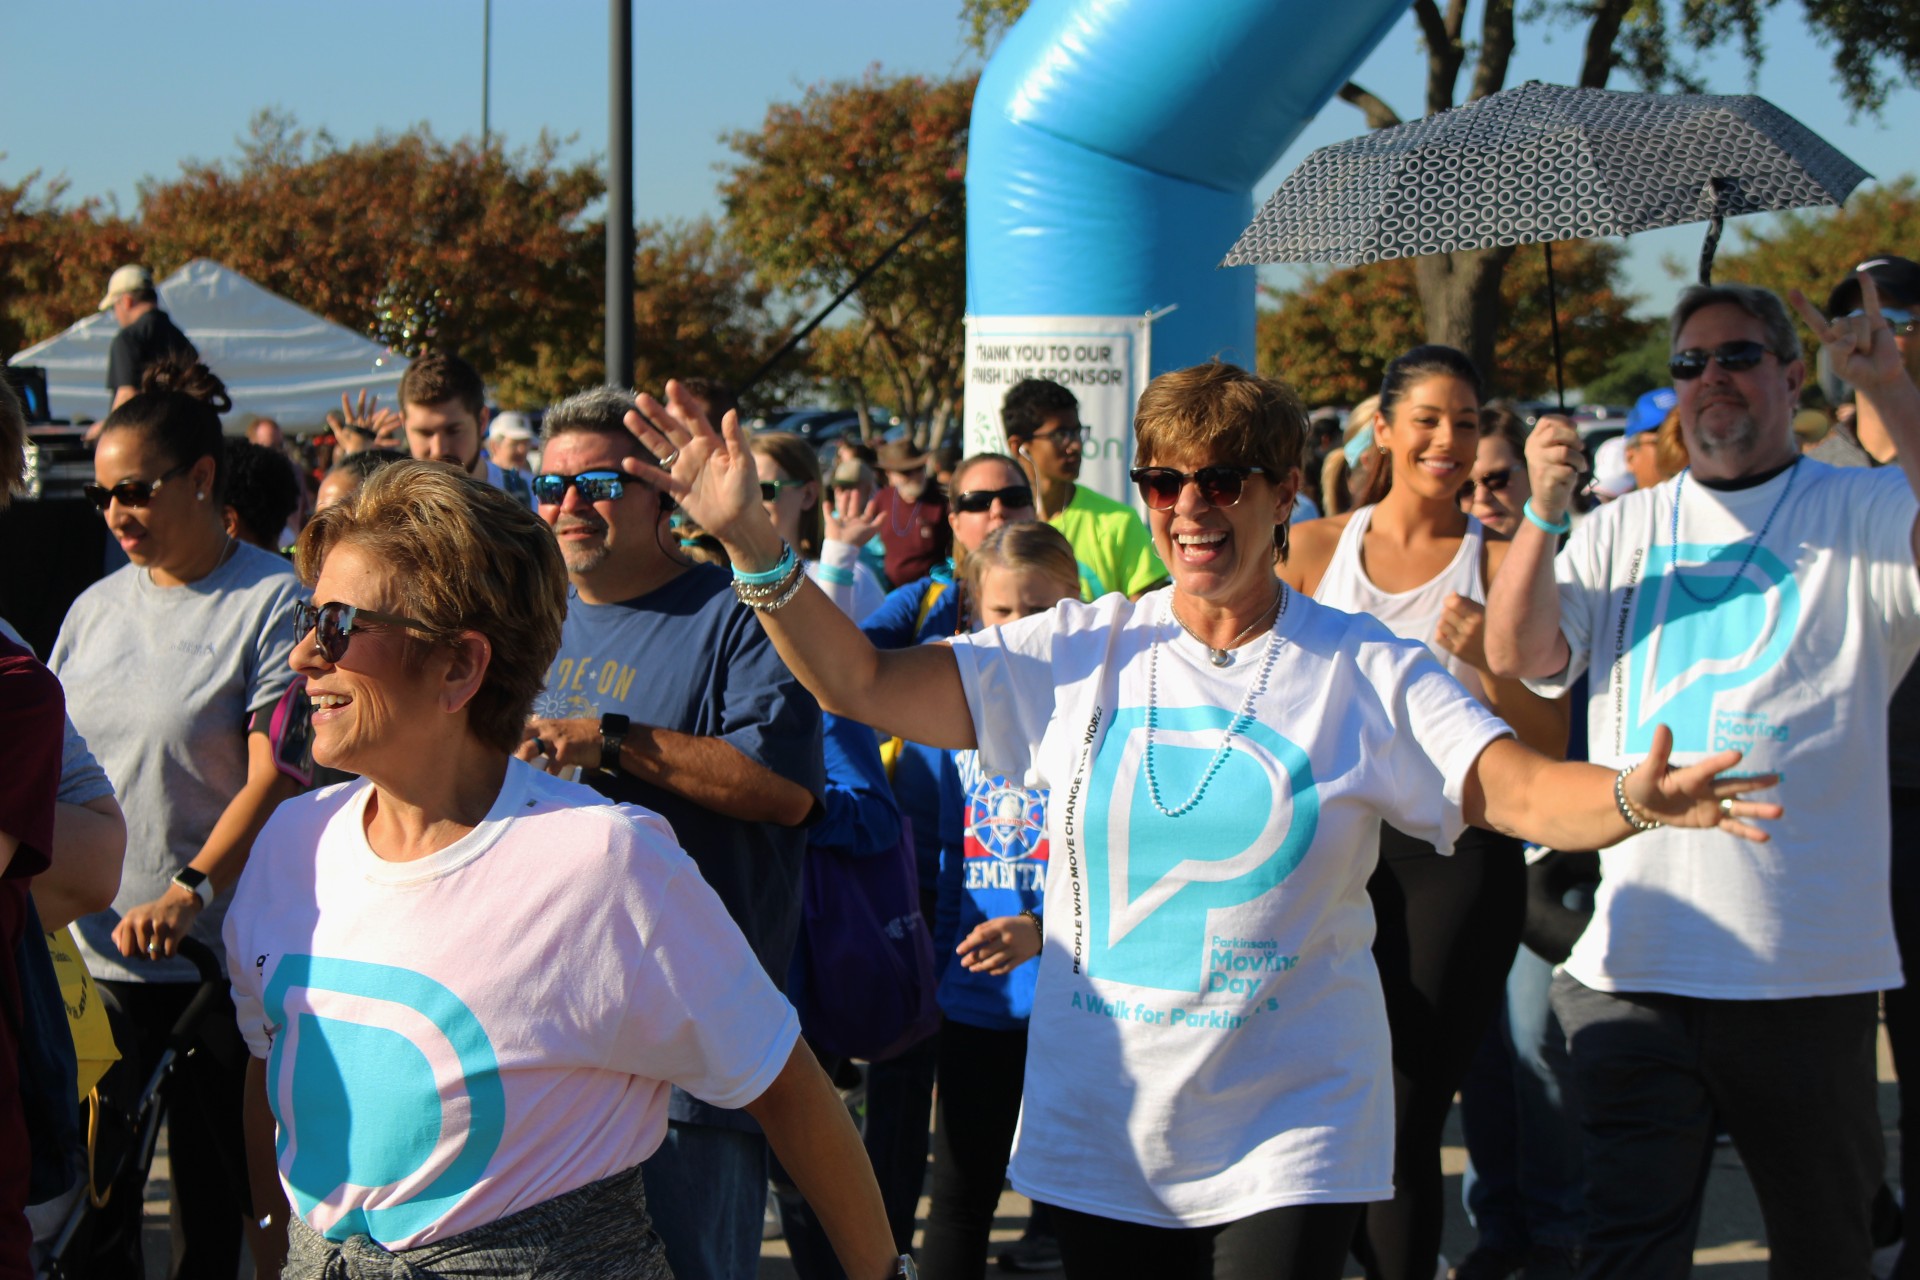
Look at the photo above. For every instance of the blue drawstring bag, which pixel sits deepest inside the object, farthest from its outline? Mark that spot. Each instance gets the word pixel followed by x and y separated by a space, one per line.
pixel 862 978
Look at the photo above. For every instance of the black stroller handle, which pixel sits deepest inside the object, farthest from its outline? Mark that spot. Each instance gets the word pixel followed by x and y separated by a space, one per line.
pixel 212 983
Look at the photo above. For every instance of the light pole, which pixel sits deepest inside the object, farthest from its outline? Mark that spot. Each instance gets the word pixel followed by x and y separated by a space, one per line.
pixel 486 73
pixel 619 301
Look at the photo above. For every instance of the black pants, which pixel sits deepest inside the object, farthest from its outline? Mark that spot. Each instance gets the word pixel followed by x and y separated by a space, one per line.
pixel 981 1074
pixel 205 1146
pixel 1791 1081
pixel 1903 1003
pixel 1447 930
pixel 1299 1242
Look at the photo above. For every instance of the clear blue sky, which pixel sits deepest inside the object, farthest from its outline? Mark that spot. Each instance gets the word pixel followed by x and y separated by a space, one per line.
pixel 106 92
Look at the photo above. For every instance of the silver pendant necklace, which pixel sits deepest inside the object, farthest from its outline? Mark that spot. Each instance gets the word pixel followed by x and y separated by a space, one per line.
pixel 1255 689
pixel 1223 657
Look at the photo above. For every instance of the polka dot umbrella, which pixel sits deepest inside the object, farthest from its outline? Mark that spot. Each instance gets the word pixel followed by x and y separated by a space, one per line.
pixel 1540 163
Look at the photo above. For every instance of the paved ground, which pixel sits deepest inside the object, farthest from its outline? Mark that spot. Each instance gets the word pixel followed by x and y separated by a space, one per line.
pixel 1730 1247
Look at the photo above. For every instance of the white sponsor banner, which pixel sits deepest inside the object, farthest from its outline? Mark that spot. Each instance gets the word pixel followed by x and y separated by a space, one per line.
pixel 1103 360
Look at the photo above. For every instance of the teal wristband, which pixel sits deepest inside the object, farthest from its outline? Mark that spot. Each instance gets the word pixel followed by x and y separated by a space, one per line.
pixel 1541 523
pixel 773 575
pixel 837 575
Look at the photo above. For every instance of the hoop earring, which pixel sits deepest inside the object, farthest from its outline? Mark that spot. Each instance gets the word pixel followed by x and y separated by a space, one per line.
pixel 1280 544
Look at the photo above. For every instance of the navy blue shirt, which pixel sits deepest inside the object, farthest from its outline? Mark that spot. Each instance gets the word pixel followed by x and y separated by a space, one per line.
pixel 688 657
pixel 905 618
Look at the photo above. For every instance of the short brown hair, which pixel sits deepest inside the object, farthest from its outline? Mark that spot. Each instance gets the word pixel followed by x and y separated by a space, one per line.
pixel 1220 409
pixel 439 376
pixel 468 558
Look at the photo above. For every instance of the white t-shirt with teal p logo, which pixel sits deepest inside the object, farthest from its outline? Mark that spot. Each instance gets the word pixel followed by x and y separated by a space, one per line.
pixel 1788 651
pixel 1208 1038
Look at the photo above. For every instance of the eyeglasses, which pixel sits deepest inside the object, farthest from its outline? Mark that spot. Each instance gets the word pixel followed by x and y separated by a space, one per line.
pixel 1734 357
pixel 1902 320
pixel 1062 436
pixel 129 493
pixel 1221 486
pixel 1492 482
pixel 974 501
pixel 770 490
pixel 550 490
pixel 333 624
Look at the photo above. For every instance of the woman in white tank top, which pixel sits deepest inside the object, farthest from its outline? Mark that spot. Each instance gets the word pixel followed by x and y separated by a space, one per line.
pixel 1447 927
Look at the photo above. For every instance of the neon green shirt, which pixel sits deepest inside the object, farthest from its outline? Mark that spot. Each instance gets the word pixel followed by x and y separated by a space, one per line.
pixel 1111 543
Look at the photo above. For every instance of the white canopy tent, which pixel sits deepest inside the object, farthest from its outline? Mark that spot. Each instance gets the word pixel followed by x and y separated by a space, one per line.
pixel 278 359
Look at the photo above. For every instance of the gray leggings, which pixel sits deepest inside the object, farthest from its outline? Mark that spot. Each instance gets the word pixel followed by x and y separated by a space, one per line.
pixel 599 1230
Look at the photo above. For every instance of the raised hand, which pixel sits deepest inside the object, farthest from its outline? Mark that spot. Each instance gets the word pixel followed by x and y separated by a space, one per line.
pixel 1700 795
pixel 852 519
pixel 710 474
pixel 1861 348
pixel 1555 461
pixel 362 423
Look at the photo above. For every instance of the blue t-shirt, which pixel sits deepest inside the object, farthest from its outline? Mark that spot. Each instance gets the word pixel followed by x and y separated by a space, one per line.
pixel 688 657
pixel 993 862
pixel 905 619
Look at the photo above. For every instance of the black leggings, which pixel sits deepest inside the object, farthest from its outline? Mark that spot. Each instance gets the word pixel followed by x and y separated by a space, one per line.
pixel 1299 1242
pixel 1447 931
pixel 981 1074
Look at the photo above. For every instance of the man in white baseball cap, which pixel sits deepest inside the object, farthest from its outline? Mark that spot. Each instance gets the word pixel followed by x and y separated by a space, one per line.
pixel 510 440
pixel 147 334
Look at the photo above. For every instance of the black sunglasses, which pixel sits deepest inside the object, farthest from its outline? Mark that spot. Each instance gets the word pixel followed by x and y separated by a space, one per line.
pixel 550 490
pixel 129 493
pixel 333 624
pixel 1734 357
pixel 770 490
pixel 1070 435
pixel 1221 486
pixel 1492 482
pixel 974 501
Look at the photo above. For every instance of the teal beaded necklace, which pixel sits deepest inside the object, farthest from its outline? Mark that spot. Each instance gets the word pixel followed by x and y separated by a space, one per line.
pixel 1234 726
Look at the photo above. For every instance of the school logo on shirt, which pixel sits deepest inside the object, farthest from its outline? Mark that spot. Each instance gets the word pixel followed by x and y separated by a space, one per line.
pixel 1151 878
pixel 1684 654
pixel 1005 840
pixel 398 1091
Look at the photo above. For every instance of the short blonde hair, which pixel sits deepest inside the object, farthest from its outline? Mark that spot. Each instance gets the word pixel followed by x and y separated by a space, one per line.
pixel 1220 409
pixel 466 557
pixel 1024 545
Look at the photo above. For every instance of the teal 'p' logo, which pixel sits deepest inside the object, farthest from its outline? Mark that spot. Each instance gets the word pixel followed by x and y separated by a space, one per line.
pixel 1151 879
pixel 392 1078
pixel 1685 653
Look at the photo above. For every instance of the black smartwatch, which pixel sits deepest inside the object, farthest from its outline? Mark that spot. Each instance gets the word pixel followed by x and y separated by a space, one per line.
pixel 195 882
pixel 613 732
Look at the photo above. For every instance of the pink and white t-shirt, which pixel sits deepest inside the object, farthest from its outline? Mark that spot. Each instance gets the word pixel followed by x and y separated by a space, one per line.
pixel 454 1039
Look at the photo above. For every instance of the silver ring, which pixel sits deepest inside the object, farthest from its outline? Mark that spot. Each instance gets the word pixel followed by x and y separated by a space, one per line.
pixel 667 461
pixel 1726 806
pixel 153 948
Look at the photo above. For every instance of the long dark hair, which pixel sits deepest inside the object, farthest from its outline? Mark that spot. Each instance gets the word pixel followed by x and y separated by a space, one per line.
pixel 1430 360
pixel 178 408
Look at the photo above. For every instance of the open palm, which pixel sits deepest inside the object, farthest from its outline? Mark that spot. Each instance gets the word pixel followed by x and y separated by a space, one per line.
pixel 709 473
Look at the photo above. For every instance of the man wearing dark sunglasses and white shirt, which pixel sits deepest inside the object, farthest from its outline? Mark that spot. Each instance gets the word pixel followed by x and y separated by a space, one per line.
pixel 667 694
pixel 1767 601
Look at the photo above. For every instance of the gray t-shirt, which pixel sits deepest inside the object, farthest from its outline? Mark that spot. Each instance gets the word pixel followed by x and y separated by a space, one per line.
pixel 160 682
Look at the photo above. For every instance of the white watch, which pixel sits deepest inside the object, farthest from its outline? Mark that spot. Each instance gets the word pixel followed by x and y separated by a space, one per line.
pixel 195 882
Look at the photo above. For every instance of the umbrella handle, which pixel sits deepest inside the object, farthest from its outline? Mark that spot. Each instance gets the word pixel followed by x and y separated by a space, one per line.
pixel 1714 224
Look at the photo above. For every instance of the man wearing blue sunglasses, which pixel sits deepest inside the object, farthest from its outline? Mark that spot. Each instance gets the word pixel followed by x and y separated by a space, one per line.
pixel 1864 442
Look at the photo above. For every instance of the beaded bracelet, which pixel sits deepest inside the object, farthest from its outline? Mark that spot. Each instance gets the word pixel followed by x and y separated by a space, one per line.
pixel 1039 929
pixel 769 576
pixel 1625 806
pixel 759 596
pixel 793 589
pixel 1542 523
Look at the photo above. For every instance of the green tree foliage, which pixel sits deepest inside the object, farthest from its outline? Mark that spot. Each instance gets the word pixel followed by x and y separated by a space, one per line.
pixel 503 236
pixel 824 187
pixel 1333 335
pixel 1634 372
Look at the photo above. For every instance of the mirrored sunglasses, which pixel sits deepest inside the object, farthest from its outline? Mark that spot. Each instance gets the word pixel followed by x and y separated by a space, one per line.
pixel 550 490
pixel 1902 320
